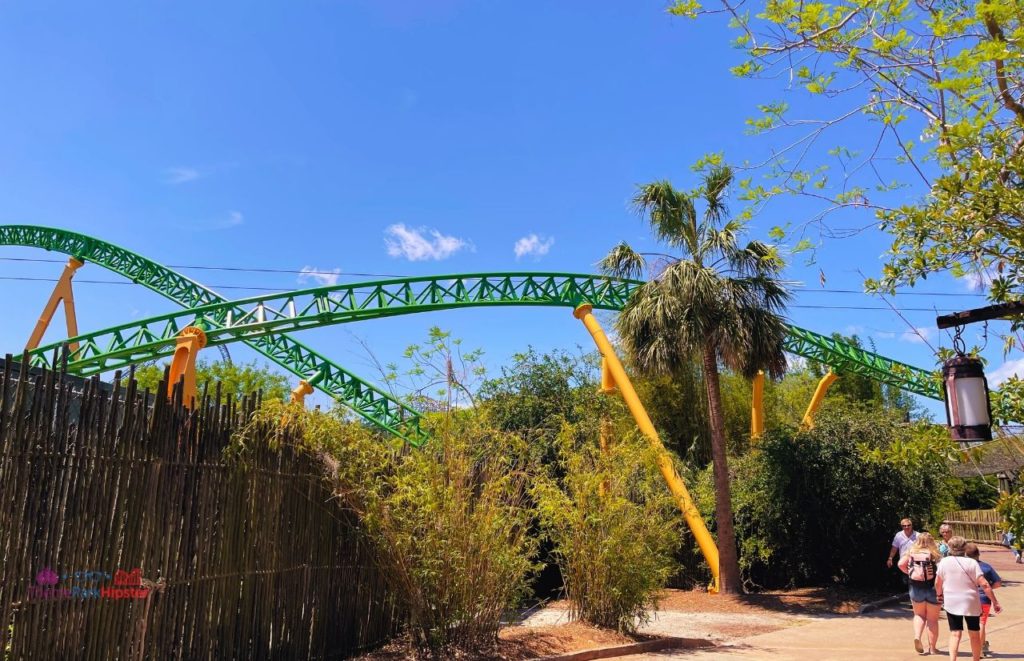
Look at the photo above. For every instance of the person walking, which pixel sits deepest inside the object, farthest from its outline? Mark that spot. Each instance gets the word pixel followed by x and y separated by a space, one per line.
pixel 1007 541
pixel 920 564
pixel 902 541
pixel 994 580
pixel 957 580
pixel 945 532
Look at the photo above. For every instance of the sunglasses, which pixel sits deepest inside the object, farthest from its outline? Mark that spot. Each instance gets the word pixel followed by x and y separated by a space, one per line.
pixel 908 526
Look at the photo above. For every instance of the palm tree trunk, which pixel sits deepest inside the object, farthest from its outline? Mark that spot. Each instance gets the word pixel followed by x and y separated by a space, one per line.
pixel 728 563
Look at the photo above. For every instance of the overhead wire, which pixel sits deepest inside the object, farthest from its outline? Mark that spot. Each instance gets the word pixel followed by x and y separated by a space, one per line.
pixel 287 289
pixel 306 271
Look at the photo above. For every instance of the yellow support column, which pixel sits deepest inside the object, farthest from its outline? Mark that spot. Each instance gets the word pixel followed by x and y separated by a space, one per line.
pixel 300 392
pixel 183 365
pixel 607 388
pixel 675 483
pixel 62 291
pixel 757 407
pixel 817 399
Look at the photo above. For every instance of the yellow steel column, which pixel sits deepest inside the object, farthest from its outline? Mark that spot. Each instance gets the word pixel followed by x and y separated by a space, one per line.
pixel 607 388
pixel 183 365
pixel 300 392
pixel 817 399
pixel 61 292
pixel 675 484
pixel 757 407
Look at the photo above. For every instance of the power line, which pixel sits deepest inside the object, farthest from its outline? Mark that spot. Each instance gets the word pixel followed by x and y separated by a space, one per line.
pixel 254 269
pixel 282 289
pixel 228 268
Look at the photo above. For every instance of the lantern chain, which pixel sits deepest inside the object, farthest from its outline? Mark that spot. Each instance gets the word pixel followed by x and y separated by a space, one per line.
pixel 958 341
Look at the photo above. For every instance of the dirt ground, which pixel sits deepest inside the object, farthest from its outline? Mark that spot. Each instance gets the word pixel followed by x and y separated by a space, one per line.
pixel 682 613
pixel 519 642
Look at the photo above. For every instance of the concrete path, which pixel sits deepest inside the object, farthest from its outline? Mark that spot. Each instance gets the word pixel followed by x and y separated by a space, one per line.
pixel 885 634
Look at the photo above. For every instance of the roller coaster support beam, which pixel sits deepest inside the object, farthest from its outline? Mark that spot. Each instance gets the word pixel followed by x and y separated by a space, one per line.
pixel 183 364
pixel 757 407
pixel 605 436
pixel 819 396
pixel 299 393
pixel 62 291
pixel 675 483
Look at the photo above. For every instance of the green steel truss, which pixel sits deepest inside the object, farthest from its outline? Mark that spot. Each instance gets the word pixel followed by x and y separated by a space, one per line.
pixel 265 317
pixel 362 397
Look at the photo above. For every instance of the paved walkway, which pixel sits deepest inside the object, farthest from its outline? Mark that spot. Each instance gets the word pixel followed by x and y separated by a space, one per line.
pixel 885 634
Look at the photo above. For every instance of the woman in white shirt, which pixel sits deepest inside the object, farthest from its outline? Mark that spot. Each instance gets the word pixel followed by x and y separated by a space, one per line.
pixel 957 580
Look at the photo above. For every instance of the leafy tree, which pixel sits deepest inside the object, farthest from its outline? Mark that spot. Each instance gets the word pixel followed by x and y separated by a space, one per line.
pixel 441 375
pixel 236 379
pixel 939 82
pixel 817 507
pixel 718 300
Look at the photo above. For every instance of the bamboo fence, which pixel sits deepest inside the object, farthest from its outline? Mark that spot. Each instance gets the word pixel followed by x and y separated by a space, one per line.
pixel 976 525
pixel 240 555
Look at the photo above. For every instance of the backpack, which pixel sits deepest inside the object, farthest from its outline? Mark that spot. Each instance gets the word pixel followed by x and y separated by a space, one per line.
pixel 921 568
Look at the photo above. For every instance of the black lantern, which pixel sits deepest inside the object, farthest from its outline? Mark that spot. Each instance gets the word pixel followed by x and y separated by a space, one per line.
pixel 965 390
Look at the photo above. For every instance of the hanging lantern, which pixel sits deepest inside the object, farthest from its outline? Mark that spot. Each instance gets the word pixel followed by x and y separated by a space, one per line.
pixel 965 390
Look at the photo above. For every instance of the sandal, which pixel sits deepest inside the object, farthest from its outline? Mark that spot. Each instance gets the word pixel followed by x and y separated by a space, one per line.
pixel 918 646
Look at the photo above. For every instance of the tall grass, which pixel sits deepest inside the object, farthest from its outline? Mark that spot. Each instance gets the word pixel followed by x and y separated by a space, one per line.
pixel 449 522
pixel 613 525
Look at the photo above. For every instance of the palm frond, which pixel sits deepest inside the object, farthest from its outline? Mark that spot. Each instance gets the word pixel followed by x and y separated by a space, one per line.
pixel 670 213
pixel 623 262
pixel 714 191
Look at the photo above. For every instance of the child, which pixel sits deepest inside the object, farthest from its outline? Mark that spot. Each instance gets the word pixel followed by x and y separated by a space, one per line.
pixel 972 551
pixel 1007 541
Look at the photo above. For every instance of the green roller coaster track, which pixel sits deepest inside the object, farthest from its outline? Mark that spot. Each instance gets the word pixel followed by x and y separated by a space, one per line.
pixel 362 397
pixel 260 321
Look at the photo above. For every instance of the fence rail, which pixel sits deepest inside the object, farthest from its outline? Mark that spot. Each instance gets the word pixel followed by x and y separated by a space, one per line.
pixel 127 532
pixel 976 525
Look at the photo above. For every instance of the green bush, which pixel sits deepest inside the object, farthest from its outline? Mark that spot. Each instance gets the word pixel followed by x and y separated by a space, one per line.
pixel 821 506
pixel 449 522
pixel 613 524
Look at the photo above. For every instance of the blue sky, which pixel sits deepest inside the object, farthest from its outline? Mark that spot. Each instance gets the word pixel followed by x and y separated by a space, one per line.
pixel 393 138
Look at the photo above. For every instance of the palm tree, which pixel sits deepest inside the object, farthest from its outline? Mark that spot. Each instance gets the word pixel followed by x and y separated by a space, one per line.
pixel 716 300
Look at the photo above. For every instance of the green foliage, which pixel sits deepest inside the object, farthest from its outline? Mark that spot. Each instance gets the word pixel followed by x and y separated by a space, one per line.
pixel 236 379
pixel 975 493
pixel 441 375
pixel 933 91
pixel 1011 509
pixel 538 393
pixel 820 506
pixel 613 523
pixel 449 522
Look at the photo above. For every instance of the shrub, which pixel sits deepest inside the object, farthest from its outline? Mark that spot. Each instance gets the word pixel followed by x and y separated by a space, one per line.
pixel 449 521
pixel 613 524
pixel 821 506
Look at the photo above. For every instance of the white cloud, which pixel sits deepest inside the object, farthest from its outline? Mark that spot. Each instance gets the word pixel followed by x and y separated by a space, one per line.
pixel 885 335
pixel 979 280
pixel 323 278
pixel 180 175
pixel 533 245
pixel 919 335
pixel 413 244
pixel 853 329
pixel 1005 371
pixel 233 219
